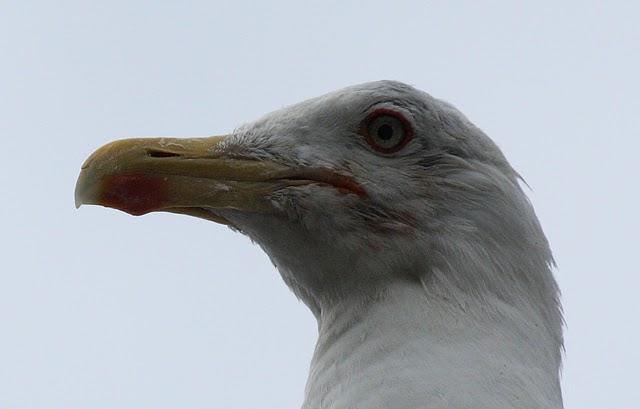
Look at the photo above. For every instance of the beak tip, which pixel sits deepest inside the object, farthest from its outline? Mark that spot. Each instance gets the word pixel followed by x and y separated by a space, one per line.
pixel 80 193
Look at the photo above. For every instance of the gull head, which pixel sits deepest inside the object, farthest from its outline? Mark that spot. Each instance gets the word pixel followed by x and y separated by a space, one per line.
pixel 348 192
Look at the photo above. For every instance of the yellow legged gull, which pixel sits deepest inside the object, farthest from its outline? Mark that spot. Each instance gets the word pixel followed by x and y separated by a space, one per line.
pixel 398 223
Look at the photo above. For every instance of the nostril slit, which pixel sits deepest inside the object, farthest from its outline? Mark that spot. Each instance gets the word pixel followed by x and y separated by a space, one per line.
pixel 155 153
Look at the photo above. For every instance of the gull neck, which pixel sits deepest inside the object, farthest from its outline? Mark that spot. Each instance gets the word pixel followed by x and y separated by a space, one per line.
pixel 407 347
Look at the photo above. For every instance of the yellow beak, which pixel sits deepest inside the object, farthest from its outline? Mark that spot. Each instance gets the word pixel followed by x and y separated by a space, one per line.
pixel 189 176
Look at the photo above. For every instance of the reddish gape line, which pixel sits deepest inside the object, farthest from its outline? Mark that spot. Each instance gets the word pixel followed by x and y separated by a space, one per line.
pixel 346 184
pixel 136 194
pixel 343 183
pixel 352 188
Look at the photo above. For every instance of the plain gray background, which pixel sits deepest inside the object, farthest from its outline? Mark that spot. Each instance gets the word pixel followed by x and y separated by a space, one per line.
pixel 99 309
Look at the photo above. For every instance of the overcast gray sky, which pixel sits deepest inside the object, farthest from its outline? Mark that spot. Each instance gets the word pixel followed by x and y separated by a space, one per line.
pixel 102 310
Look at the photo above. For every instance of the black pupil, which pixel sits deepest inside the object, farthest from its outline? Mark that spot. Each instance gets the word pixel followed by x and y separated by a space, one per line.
pixel 385 132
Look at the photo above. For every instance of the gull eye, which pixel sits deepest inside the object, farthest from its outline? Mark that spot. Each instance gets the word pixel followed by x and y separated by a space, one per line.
pixel 386 130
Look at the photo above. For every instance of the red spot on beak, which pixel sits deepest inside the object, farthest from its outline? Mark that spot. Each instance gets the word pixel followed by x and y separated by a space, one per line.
pixel 135 194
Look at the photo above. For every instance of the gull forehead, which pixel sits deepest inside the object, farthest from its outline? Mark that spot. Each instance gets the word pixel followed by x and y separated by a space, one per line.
pixel 439 124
